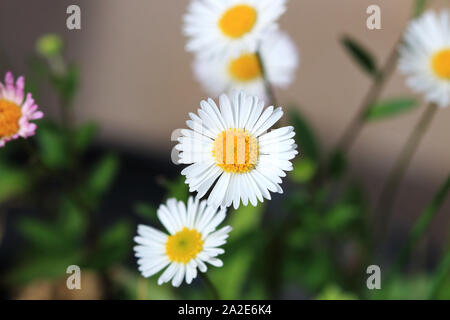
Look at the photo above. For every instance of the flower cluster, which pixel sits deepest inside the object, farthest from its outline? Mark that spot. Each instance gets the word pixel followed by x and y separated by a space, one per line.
pixel 231 155
pixel 228 149
pixel 238 46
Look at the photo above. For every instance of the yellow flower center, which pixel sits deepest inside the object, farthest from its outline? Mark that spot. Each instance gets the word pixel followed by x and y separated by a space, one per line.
pixel 184 245
pixel 441 64
pixel 10 114
pixel 237 21
pixel 245 68
pixel 235 151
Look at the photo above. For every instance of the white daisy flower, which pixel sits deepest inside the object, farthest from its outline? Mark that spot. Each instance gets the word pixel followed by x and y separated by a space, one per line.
pixel 244 72
pixel 425 57
pixel 229 147
pixel 217 27
pixel 192 242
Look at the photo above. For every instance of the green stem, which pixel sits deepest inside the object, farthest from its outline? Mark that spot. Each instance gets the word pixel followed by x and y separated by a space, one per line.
pixel 356 125
pixel 268 86
pixel 353 130
pixel 422 224
pixel 212 288
pixel 390 188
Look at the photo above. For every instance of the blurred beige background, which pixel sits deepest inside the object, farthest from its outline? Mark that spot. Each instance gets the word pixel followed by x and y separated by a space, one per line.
pixel 137 78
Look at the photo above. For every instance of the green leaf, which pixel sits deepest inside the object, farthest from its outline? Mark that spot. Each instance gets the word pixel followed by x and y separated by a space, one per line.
pixel 304 170
pixel 178 189
pixel 241 251
pixel 102 175
pixel 230 279
pixel 304 135
pixel 72 222
pixel 114 245
pixel 13 182
pixel 64 234
pixel 146 211
pixel 362 56
pixel 116 235
pixel 52 147
pixel 245 220
pixel 84 135
pixel 389 108
pixel 340 216
pixel 40 234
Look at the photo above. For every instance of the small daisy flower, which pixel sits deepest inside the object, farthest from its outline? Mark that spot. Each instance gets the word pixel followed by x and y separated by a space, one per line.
pixel 192 241
pixel 425 56
pixel 244 72
pixel 230 154
pixel 217 27
pixel 15 111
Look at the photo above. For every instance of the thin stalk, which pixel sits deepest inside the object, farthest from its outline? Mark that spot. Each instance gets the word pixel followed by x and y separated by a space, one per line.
pixel 422 224
pixel 356 125
pixel 353 130
pixel 59 69
pixel 268 86
pixel 275 254
pixel 390 188
pixel 212 288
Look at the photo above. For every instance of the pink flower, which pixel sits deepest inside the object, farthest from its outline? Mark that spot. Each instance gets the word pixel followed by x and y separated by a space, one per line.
pixel 15 111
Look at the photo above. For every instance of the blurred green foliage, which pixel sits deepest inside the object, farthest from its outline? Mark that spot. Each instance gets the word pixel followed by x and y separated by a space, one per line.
pixel 14 181
pixel 333 292
pixel 61 190
pixel 315 243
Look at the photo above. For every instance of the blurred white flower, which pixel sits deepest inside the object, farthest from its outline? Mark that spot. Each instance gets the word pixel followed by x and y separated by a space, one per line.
pixel 425 56
pixel 230 152
pixel 192 242
pixel 244 72
pixel 228 27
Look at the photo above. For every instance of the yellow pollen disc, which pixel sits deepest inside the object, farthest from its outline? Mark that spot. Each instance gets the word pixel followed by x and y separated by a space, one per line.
pixel 10 114
pixel 184 245
pixel 237 21
pixel 441 64
pixel 235 151
pixel 245 68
